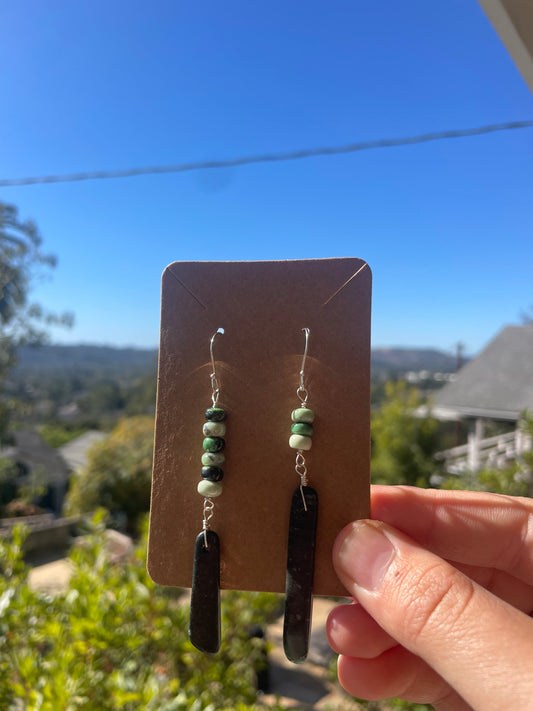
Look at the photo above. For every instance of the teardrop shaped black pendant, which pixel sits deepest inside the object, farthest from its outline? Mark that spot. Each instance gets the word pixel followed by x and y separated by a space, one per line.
pixel 204 621
pixel 300 573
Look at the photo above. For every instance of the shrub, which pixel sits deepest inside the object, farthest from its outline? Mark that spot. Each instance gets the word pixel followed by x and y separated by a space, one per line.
pixel 18 507
pixel 403 445
pixel 118 472
pixel 116 641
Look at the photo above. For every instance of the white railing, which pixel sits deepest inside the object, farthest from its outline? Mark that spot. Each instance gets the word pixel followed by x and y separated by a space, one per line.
pixel 492 452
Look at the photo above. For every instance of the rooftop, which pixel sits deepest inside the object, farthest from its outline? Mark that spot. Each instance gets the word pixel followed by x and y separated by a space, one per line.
pixel 498 384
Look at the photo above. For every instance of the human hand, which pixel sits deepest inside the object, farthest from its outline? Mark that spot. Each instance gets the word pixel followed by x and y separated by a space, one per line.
pixel 445 590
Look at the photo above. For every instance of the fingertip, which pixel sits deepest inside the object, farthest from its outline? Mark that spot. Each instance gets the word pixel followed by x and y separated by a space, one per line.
pixel 396 672
pixel 351 674
pixel 345 533
pixel 351 631
pixel 384 500
pixel 338 545
pixel 335 628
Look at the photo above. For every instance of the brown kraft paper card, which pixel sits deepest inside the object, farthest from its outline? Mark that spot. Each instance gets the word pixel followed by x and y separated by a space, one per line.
pixel 262 307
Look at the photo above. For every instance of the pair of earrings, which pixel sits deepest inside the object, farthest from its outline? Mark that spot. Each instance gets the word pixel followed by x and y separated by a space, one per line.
pixel 204 625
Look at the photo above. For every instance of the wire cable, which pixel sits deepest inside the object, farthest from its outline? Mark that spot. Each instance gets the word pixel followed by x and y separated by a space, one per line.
pixel 267 157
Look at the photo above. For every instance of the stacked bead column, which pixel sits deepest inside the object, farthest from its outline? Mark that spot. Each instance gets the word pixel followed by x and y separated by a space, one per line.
pixel 300 439
pixel 302 428
pixel 214 430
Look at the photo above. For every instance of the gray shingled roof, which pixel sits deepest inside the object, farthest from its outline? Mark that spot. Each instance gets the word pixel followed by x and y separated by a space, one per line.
pixel 74 453
pixel 497 384
pixel 31 450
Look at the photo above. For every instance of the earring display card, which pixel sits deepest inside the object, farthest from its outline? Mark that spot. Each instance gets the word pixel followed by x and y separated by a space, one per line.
pixel 262 307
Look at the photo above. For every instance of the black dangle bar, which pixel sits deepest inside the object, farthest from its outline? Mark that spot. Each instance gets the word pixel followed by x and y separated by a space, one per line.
pixel 300 573
pixel 204 622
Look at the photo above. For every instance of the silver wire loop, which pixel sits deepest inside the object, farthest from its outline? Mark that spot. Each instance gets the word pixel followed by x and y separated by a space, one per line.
pixel 301 470
pixel 301 392
pixel 215 385
pixel 300 467
pixel 208 515
pixel 303 396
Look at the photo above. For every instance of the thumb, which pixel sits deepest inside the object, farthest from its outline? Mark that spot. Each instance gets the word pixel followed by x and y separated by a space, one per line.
pixel 482 646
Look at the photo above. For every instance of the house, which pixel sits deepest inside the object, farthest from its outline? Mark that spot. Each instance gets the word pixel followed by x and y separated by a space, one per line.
pixel 496 386
pixel 37 461
pixel 52 468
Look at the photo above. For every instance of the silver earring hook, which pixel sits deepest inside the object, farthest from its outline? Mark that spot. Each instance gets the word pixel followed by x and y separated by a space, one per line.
pixel 215 385
pixel 302 393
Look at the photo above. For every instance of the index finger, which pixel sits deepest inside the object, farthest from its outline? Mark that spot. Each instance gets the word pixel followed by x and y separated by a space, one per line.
pixel 470 527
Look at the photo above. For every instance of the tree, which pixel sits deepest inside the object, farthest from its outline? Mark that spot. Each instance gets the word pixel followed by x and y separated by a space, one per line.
pixel 403 445
pixel 105 396
pixel 21 261
pixel 118 472
pixel 140 398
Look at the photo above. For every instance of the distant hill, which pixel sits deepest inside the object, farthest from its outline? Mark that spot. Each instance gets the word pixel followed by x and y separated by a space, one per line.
pixel 401 360
pixel 105 360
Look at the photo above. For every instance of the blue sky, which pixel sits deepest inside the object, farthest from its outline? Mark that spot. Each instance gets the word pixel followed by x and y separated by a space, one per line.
pixel 446 227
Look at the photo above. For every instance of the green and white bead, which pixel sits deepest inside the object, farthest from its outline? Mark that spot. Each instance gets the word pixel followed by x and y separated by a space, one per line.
pixel 302 428
pixel 214 429
pixel 213 444
pixel 303 414
pixel 215 414
pixel 212 459
pixel 300 442
pixel 209 489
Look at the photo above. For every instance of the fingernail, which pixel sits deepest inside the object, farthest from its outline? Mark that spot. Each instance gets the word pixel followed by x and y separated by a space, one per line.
pixel 365 555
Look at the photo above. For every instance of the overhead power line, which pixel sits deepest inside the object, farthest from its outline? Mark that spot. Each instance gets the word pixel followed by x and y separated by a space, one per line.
pixel 266 157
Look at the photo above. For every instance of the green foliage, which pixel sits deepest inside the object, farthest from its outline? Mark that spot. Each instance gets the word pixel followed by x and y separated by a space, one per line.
pixel 403 445
pixel 8 469
pixel 108 396
pixel 8 487
pixel 503 481
pixel 105 396
pixel 118 473
pixel 408 705
pixel 35 486
pixel 116 641
pixel 388 705
pixel 16 497
pixel 101 398
pixel 140 397
pixel 56 434
pixel 5 412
